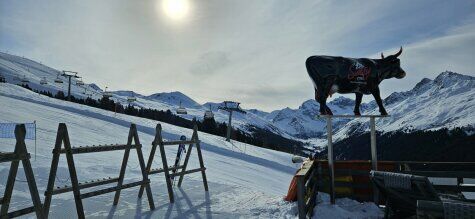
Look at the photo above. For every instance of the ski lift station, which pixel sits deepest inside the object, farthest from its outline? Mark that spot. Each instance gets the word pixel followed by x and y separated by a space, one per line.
pixel 181 110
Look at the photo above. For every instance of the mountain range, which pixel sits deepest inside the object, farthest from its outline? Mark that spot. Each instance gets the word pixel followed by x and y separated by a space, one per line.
pixel 448 101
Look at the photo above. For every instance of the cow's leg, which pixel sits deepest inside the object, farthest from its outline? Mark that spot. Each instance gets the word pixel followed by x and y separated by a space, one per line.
pixel 377 97
pixel 323 93
pixel 359 97
pixel 321 101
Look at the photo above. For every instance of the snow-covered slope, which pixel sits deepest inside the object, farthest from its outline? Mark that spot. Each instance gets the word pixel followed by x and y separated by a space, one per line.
pixel 237 173
pixel 447 101
pixel 244 181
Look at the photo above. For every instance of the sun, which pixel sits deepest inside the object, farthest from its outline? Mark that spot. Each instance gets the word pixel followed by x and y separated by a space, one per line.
pixel 176 9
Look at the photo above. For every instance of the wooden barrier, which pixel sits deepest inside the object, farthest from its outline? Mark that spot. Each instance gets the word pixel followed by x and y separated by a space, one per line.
pixel 63 138
pixel 20 154
pixel 307 188
pixel 158 141
pixel 352 179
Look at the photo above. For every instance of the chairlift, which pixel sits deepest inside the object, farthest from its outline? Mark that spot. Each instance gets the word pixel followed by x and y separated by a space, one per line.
pixel 131 99
pixel 58 80
pixel 43 81
pixel 106 94
pixel 24 79
pixel 181 110
pixel 79 82
pixel 209 114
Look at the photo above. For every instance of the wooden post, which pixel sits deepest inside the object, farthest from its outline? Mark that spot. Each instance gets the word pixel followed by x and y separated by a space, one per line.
pixel 23 156
pixel 142 167
pixel 54 167
pixel 124 165
pixel 185 163
pixel 301 197
pixel 20 133
pixel 165 167
pixel 72 172
pixel 200 157
pixel 9 187
pixel 151 156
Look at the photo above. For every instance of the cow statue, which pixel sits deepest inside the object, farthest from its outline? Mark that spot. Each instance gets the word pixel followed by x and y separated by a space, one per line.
pixel 331 74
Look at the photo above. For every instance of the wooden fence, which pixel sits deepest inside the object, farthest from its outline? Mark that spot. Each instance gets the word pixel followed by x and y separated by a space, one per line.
pixel 352 179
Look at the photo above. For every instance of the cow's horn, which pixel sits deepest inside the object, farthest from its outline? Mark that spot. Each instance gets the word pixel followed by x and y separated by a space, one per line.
pixel 382 56
pixel 398 53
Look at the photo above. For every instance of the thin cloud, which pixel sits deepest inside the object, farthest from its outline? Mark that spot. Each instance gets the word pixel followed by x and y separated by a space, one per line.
pixel 248 51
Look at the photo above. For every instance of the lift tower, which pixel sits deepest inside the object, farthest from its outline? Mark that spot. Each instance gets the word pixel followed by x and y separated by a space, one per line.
pixel 230 106
pixel 71 75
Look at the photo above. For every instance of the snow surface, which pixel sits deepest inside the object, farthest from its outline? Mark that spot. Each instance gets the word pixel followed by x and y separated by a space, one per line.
pixel 245 181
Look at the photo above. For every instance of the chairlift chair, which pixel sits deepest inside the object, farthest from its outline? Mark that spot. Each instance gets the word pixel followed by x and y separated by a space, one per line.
pixel 131 99
pixel 24 79
pixel 79 82
pixel 43 81
pixel 106 94
pixel 181 110
pixel 58 80
pixel 209 114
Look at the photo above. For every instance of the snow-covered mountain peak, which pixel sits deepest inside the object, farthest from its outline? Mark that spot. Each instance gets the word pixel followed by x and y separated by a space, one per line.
pixel 309 104
pixel 422 83
pixel 449 78
pixel 127 93
pixel 95 87
pixel 342 102
pixel 174 98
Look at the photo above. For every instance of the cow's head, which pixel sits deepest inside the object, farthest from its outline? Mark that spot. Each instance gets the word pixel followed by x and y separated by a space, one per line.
pixel 391 66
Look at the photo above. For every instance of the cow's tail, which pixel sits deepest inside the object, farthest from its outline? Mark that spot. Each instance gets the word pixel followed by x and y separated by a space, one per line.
pixel 312 72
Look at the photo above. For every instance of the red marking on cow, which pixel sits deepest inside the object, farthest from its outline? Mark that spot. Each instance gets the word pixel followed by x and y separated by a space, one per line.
pixel 355 72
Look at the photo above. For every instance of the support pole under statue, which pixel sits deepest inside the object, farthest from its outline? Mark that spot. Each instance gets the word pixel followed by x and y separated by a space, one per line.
pixel 331 156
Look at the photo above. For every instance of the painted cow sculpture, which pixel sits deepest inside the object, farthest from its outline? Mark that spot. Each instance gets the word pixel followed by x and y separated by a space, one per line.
pixel 331 74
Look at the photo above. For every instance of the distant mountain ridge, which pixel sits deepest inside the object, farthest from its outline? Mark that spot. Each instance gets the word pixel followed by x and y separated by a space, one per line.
pixel 448 101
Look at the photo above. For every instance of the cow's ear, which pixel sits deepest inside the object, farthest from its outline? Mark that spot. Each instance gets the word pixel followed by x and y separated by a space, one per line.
pixel 382 56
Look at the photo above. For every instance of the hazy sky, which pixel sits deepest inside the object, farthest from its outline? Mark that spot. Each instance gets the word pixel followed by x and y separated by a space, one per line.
pixel 244 50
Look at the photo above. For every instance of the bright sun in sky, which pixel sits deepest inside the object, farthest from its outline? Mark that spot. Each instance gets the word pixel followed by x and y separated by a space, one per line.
pixel 176 9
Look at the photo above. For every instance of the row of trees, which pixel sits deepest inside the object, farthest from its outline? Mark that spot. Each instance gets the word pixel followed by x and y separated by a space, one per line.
pixel 442 145
pixel 262 138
